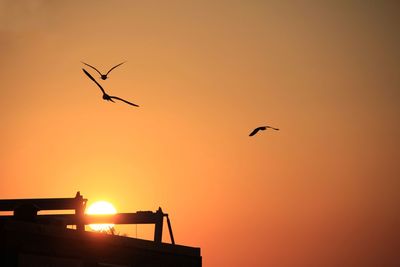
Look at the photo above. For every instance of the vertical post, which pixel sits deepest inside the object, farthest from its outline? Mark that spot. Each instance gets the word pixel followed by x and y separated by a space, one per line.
pixel 170 231
pixel 158 226
pixel 80 205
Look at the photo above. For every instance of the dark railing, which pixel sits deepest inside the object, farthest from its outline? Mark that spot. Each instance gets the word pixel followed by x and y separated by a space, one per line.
pixel 26 209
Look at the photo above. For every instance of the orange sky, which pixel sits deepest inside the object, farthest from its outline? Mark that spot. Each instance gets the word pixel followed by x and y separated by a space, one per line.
pixel 323 191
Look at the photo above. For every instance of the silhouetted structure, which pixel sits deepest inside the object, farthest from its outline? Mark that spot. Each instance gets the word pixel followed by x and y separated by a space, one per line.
pixel 29 239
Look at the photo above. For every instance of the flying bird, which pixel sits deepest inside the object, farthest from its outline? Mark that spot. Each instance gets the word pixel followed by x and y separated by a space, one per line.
pixel 105 95
pixel 262 128
pixel 103 76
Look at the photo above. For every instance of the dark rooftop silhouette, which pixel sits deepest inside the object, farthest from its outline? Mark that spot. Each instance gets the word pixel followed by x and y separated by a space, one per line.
pixel 29 239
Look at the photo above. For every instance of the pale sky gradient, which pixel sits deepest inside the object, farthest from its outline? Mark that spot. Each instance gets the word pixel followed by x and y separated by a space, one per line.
pixel 323 191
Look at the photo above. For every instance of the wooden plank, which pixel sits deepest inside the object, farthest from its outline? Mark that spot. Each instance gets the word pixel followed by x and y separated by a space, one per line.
pixel 77 202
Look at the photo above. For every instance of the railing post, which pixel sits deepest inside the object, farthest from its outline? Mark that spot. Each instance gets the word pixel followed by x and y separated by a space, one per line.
pixel 158 226
pixel 171 235
pixel 79 211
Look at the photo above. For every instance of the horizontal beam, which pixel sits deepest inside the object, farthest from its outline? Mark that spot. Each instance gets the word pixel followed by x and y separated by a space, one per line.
pixel 43 203
pixel 119 218
pixel 124 218
pixel 78 203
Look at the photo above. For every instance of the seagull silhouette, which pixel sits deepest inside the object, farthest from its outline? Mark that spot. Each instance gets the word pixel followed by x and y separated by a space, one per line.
pixel 262 128
pixel 105 95
pixel 103 76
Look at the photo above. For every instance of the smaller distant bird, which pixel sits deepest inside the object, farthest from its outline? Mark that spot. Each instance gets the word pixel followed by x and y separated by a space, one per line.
pixel 262 128
pixel 105 95
pixel 103 76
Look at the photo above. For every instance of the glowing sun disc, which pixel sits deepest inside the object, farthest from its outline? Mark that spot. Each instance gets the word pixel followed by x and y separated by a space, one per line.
pixel 101 207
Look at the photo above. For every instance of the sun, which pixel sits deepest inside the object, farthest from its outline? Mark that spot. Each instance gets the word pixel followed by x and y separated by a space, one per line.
pixel 101 207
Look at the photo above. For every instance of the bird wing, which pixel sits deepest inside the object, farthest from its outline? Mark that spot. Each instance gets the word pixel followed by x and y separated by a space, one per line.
pixel 90 76
pixel 115 67
pixel 123 100
pixel 276 129
pixel 92 67
pixel 254 131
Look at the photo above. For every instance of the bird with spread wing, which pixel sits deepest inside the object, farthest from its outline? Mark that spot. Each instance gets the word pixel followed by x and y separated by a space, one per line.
pixel 103 76
pixel 262 128
pixel 105 95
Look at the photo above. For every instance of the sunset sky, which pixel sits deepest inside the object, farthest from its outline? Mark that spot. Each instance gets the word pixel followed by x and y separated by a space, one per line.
pixel 322 191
